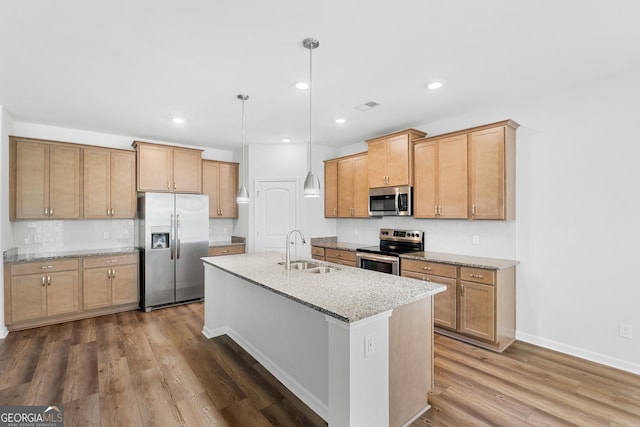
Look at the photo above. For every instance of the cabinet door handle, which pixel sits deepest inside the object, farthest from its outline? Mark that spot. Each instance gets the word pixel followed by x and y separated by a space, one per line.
pixel 113 273
pixel 168 185
pixel 427 268
pixel 48 280
pixel 477 276
pixel 113 211
pixel 440 210
pixel 50 211
pixel 461 289
pixel 109 274
pixel 226 251
pixel 175 186
pixel 43 279
pixel 335 211
pixel 46 266
pixel 108 212
pixel 111 261
pixel 473 209
pixel 46 211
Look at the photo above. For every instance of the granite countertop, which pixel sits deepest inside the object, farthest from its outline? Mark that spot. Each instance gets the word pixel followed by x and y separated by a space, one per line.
pixel 347 293
pixel 337 245
pixel 9 257
pixel 235 241
pixel 462 260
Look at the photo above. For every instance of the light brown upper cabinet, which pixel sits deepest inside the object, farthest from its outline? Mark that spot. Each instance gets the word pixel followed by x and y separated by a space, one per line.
pixel 440 177
pixel 168 169
pixel 44 180
pixel 109 183
pixel 220 183
pixel 492 152
pixel 331 188
pixel 391 159
pixel 353 192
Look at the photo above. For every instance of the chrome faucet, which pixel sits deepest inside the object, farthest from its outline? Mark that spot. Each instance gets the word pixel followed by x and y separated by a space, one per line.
pixel 288 243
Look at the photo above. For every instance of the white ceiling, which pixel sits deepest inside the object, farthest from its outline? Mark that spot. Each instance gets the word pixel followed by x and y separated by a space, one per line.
pixel 128 66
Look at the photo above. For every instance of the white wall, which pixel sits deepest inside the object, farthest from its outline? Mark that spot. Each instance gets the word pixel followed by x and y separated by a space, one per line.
pixel 576 232
pixel 290 161
pixel 6 240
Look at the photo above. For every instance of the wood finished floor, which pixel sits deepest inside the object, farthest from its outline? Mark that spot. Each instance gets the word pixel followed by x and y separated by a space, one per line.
pixel 136 368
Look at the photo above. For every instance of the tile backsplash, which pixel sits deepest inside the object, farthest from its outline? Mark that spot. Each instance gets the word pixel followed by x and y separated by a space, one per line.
pixel 56 236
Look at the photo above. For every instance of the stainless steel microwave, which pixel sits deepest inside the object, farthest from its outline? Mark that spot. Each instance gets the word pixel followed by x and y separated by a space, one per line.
pixel 391 201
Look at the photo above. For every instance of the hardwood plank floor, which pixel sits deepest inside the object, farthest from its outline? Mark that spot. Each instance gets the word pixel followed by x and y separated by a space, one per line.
pixel 156 368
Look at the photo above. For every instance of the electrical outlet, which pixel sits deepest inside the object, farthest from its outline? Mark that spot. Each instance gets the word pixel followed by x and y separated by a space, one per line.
pixel 625 331
pixel 105 235
pixel 475 239
pixel 369 345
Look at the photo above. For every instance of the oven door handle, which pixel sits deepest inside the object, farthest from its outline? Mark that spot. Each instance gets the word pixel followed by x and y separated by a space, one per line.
pixel 376 257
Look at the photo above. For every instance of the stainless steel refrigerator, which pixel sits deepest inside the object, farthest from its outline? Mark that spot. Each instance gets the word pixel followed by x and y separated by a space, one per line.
pixel 175 231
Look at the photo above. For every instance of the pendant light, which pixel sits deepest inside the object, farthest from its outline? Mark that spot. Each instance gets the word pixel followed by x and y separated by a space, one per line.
pixel 243 194
pixel 311 182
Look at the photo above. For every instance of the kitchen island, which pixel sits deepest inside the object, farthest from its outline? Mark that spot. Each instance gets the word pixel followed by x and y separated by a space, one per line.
pixel 355 345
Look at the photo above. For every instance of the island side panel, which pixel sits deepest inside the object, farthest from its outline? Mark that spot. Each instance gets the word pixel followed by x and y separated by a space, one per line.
pixel 359 379
pixel 289 339
pixel 410 361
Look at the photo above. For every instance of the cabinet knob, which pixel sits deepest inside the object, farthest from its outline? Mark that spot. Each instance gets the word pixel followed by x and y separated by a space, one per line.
pixel 427 268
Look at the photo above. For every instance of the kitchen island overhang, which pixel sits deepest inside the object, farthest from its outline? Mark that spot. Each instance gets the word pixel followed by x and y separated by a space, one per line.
pixel 355 345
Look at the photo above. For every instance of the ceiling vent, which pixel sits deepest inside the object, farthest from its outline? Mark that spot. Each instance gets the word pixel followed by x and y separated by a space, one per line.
pixel 367 106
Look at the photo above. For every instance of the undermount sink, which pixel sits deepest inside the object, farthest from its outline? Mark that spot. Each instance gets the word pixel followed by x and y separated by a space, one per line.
pixel 303 265
pixel 310 267
pixel 321 270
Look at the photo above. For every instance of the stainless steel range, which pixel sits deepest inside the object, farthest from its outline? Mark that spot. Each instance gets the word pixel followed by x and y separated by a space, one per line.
pixel 386 256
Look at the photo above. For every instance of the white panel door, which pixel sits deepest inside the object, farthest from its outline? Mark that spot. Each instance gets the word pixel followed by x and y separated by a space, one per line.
pixel 275 214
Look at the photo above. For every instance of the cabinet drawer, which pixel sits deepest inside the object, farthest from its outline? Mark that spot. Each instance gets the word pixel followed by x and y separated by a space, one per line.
pixel 44 266
pixel 478 275
pixel 226 250
pixel 341 255
pixel 109 261
pixel 341 261
pixel 315 250
pixel 425 267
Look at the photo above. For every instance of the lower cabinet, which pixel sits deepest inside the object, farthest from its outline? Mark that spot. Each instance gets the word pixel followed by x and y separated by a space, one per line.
pixel 340 256
pixel 110 281
pixel 42 291
pixel 48 292
pixel 478 306
pixel 317 253
pixel 226 250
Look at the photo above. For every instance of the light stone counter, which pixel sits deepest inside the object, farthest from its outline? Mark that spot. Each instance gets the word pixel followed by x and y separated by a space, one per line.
pixel 347 293
pixel 462 260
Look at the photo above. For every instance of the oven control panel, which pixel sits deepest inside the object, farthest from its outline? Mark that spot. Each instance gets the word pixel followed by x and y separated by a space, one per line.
pixel 401 235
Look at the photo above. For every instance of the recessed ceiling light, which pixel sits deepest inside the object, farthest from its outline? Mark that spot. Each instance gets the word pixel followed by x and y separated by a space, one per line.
pixel 434 85
pixel 179 120
pixel 302 85
pixel 286 140
pixel 340 121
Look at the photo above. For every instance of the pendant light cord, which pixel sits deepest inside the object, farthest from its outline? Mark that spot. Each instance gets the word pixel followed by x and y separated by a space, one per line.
pixel 310 99
pixel 244 164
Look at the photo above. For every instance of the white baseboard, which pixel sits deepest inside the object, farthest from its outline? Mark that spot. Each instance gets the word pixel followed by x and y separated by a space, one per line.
pixel 613 362
pixel 301 392
pixel 212 333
